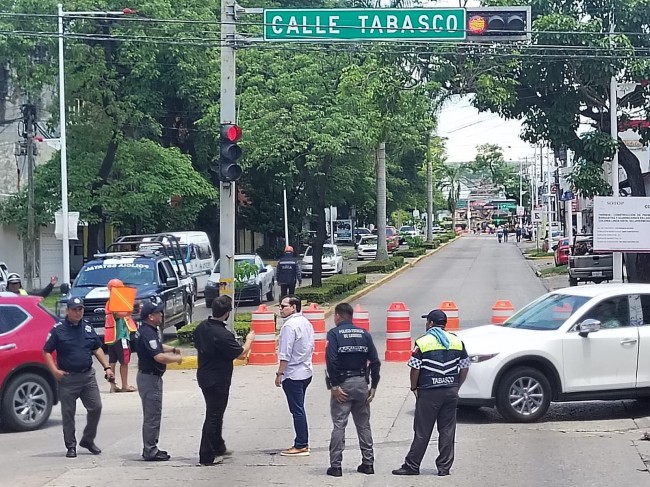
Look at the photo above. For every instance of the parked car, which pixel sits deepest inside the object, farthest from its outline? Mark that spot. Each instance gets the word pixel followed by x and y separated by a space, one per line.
pixel 367 248
pixel 392 238
pixel 556 236
pixel 331 261
pixel 407 231
pixel 255 289
pixel 561 252
pixel 27 388
pixel 574 344
pixel 586 265
pixel 358 233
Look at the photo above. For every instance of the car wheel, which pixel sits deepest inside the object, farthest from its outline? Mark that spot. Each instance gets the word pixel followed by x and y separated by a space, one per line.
pixel 524 395
pixel 573 281
pixel 27 402
pixel 259 298
pixel 187 316
pixel 208 303
pixel 270 296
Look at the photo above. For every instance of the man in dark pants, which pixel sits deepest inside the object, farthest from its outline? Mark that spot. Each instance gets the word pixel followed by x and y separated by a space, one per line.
pixel 351 357
pixel 288 273
pixel 217 347
pixel 439 366
pixel 153 358
pixel 75 342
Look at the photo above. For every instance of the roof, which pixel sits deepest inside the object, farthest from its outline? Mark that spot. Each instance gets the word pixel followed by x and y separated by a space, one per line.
pixel 603 290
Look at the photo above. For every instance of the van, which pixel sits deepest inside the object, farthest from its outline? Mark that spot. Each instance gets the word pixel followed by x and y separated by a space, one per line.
pixel 199 257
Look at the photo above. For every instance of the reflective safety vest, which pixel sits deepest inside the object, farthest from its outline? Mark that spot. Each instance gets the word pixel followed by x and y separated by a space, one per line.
pixel 440 366
pixel 110 328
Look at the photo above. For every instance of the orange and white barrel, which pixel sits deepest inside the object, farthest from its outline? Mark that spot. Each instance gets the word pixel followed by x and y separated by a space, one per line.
pixel 316 317
pixel 398 333
pixel 501 311
pixel 263 349
pixel 453 315
pixel 361 318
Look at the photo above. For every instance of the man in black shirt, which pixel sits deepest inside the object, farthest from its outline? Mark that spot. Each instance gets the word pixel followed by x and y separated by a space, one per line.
pixel 351 357
pixel 153 358
pixel 75 342
pixel 288 273
pixel 217 348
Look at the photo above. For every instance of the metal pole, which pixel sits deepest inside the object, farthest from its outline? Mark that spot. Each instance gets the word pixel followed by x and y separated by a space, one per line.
pixel 613 121
pixel 429 193
pixel 227 190
pixel 286 220
pixel 29 117
pixel 64 156
pixel 568 208
pixel 521 190
pixel 549 207
pixel 331 224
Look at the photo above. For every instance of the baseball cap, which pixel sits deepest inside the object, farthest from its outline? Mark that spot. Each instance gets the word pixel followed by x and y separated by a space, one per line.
pixel 436 316
pixel 150 306
pixel 75 303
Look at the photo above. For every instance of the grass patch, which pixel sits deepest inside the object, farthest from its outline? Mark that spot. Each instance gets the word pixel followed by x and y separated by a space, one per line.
pixel 536 254
pixel 50 301
pixel 554 271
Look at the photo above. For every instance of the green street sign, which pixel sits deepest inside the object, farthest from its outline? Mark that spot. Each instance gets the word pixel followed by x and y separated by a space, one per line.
pixel 361 24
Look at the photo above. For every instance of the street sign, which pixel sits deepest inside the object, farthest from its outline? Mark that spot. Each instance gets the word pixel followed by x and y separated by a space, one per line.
pixel 537 216
pixel 364 24
pixel 521 211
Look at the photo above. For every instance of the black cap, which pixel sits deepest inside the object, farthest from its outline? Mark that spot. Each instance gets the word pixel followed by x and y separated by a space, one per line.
pixel 151 306
pixel 436 316
pixel 75 303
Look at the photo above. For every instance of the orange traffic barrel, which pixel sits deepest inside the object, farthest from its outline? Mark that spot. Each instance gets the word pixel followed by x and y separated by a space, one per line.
pixel 361 318
pixel 316 316
pixel 263 348
pixel 398 333
pixel 453 316
pixel 501 311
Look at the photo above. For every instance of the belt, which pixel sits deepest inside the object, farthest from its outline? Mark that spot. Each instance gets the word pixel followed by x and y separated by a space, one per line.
pixel 147 372
pixel 346 374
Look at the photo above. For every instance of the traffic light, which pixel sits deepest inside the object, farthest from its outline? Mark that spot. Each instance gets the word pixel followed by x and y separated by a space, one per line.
pixel 229 170
pixel 488 24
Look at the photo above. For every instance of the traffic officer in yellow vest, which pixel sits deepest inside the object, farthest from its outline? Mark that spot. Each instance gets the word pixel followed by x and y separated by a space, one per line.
pixel 439 365
pixel 117 336
pixel 14 285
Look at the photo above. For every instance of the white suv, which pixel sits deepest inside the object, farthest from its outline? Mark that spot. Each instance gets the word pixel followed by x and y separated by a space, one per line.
pixel 579 343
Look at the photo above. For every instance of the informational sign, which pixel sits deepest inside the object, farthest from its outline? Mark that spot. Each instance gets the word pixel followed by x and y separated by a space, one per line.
pixel 537 215
pixel 621 224
pixel 364 24
pixel 520 211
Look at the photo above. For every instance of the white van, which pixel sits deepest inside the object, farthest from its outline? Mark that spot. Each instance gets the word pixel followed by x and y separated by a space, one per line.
pixel 199 257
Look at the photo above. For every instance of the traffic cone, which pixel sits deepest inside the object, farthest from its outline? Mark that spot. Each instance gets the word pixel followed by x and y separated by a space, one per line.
pixel 501 311
pixel 453 316
pixel 398 333
pixel 263 350
pixel 316 317
pixel 361 318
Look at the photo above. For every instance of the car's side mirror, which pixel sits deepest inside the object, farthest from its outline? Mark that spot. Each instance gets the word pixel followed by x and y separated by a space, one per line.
pixel 171 282
pixel 554 247
pixel 65 288
pixel 588 326
pixel 263 269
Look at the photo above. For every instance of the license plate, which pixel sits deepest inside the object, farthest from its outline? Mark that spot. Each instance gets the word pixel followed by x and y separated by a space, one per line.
pixel 597 274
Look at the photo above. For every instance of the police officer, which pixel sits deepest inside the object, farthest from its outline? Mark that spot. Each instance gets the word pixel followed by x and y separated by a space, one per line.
pixel 75 342
pixel 351 359
pixel 153 358
pixel 439 365
pixel 288 273
pixel 14 285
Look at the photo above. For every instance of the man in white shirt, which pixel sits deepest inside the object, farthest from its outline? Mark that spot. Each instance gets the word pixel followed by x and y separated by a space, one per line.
pixel 295 350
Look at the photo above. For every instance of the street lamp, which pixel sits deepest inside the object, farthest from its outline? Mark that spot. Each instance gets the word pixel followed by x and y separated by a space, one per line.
pixel 64 154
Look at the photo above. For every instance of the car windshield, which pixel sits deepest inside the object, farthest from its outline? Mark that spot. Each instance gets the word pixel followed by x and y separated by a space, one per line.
pixel 249 260
pixel 327 252
pixel 130 273
pixel 369 241
pixel 406 229
pixel 547 313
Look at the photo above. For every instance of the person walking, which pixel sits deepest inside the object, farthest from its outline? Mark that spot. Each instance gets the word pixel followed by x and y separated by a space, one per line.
pixel 518 232
pixel 351 359
pixel 14 285
pixel 295 350
pixel 118 328
pixel 153 358
pixel 75 342
pixel 217 347
pixel 436 392
pixel 288 273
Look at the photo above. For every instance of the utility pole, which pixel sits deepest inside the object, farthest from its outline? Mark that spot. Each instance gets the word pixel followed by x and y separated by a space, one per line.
pixel 29 244
pixel 429 192
pixel 227 191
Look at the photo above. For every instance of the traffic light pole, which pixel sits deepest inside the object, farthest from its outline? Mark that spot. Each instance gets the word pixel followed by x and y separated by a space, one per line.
pixel 227 189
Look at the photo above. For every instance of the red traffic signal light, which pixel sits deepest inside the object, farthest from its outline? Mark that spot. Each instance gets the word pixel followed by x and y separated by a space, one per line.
pixel 228 169
pixel 488 24
pixel 231 133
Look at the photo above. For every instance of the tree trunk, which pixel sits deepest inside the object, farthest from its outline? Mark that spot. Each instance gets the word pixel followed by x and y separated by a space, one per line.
pixel 380 167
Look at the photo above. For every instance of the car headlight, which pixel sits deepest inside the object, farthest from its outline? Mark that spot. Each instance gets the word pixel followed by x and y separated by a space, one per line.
pixel 482 357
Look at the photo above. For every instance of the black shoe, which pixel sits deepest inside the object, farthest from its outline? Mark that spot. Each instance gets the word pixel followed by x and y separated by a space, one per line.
pixel 335 472
pixel 366 468
pixel 72 453
pixel 91 447
pixel 158 457
pixel 443 473
pixel 405 471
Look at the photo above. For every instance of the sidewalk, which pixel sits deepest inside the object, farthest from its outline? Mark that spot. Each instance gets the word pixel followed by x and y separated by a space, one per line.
pixel 551 283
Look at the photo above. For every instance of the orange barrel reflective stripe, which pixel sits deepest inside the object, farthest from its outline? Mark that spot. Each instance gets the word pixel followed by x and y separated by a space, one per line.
pixel 398 333
pixel 263 351
pixel 453 315
pixel 316 317
pixel 501 311
pixel 361 318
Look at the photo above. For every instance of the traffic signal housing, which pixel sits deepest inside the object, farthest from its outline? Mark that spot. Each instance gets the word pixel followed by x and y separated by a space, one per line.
pixel 230 152
pixel 489 24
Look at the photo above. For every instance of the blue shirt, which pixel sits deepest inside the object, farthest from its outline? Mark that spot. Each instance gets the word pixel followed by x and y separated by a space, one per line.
pixel 74 345
pixel 148 346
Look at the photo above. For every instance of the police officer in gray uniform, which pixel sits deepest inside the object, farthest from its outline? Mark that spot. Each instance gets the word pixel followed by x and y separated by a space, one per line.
pixel 75 342
pixel 153 358
pixel 439 365
pixel 351 359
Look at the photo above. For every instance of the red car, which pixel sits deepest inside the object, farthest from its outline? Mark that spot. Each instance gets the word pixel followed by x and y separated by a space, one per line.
pixel 27 388
pixel 562 252
pixel 392 239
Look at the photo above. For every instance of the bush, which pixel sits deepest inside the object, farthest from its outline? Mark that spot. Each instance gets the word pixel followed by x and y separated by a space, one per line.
pixel 349 281
pixel 315 294
pixel 332 287
pixel 397 260
pixel 269 252
pixel 377 266
pixel 416 252
pixel 414 242
pixel 242 328
pixel 185 334
pixel 431 245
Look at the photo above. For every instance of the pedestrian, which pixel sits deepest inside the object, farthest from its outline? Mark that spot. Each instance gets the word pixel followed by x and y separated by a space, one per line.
pixel 118 328
pixel 75 342
pixel 436 392
pixel 153 358
pixel 518 232
pixel 352 360
pixel 217 347
pixel 288 273
pixel 295 350
pixel 14 285
pixel 506 229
